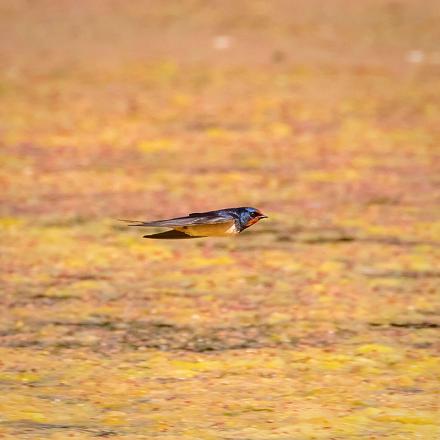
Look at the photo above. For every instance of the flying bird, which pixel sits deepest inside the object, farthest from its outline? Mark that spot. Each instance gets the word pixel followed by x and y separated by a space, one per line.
pixel 219 223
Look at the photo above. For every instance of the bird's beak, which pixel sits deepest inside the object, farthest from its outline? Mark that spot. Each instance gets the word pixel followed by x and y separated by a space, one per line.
pixel 263 216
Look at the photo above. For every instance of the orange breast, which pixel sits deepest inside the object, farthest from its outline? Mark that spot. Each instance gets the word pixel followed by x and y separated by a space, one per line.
pixel 214 230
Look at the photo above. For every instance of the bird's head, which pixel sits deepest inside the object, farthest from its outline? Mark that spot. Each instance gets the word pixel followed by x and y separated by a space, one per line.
pixel 249 216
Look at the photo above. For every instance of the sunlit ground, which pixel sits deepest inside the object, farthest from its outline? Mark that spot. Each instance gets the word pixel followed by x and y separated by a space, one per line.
pixel 319 323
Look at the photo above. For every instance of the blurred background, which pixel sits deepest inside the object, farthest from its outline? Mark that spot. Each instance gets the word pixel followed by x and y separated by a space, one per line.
pixel 321 322
pixel 200 103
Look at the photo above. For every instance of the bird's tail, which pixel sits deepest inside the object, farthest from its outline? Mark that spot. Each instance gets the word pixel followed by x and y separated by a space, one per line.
pixel 132 222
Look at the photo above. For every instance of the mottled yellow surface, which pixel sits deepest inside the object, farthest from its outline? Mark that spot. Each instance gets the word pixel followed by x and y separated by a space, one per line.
pixel 320 323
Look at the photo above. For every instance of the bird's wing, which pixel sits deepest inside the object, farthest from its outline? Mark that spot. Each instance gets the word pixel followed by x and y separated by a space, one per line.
pixel 191 220
pixel 171 234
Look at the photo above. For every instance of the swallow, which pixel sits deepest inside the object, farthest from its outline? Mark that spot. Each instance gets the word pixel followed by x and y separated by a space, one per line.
pixel 219 223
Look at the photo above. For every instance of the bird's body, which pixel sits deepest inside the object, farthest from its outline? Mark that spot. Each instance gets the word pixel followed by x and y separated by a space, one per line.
pixel 207 230
pixel 219 223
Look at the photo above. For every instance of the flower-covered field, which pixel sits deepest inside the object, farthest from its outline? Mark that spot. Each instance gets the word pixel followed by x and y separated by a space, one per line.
pixel 321 322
